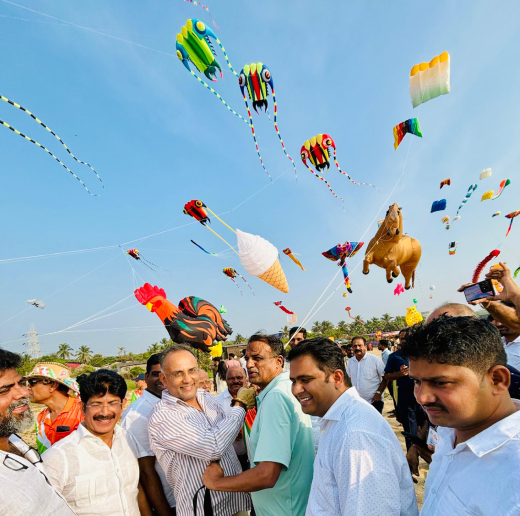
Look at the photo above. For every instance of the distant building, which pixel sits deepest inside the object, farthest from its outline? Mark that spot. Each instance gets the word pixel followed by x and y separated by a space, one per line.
pixel 74 365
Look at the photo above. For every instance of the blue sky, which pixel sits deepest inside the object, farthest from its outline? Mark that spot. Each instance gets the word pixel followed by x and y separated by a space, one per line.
pixel 159 139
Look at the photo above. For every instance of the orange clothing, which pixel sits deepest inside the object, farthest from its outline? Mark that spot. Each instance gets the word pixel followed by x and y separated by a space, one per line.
pixel 47 433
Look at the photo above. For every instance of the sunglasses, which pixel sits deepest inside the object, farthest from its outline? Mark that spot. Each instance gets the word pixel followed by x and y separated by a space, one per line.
pixel 33 381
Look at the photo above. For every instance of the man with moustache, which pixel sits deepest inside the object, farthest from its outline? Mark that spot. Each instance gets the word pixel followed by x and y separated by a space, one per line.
pixel 95 468
pixel 461 380
pixel 188 429
pixel 235 379
pixel 360 468
pixel 135 421
pixel 24 487
pixel 281 441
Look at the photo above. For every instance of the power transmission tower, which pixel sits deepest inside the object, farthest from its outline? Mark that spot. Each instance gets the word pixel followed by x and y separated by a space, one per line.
pixel 33 344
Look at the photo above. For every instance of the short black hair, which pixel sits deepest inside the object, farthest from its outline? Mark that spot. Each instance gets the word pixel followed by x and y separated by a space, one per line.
pixel 345 346
pixel 325 353
pixel 384 343
pixel 173 349
pixel 231 355
pixel 99 383
pixel 297 329
pixel 9 360
pixel 362 338
pixel 154 359
pixel 460 341
pixel 271 340
pixel 405 330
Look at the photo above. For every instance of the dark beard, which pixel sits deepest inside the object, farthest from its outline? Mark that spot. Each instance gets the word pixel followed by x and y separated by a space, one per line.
pixel 10 424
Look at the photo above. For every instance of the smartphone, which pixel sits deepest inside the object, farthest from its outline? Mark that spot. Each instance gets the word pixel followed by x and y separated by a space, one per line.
pixel 479 290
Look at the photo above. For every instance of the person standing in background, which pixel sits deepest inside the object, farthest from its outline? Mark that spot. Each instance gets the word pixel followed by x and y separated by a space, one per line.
pixel 140 383
pixel 232 362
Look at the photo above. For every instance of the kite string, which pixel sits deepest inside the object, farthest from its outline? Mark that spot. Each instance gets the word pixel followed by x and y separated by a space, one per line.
pixel 215 215
pixel 215 233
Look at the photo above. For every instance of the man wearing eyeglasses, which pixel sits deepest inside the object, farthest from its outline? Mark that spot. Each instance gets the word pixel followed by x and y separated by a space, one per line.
pixel 49 384
pixel 95 468
pixel 24 487
pixel 189 429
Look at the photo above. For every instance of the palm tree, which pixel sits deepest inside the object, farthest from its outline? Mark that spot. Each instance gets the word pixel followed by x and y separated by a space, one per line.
pixel 84 354
pixel 122 352
pixel 154 348
pixel 64 352
pixel 285 332
pixel 327 327
pixel 316 328
pixel 239 339
pixel 343 328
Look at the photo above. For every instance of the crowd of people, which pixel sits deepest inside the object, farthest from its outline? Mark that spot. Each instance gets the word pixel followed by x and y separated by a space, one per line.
pixel 282 434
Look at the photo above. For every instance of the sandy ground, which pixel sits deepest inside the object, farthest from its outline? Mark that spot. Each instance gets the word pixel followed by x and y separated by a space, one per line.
pixel 30 438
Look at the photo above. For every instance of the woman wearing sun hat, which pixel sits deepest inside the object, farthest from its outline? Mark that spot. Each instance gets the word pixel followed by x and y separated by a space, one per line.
pixel 50 384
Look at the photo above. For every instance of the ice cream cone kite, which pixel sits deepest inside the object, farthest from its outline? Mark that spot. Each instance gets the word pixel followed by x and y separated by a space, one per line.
pixel 260 258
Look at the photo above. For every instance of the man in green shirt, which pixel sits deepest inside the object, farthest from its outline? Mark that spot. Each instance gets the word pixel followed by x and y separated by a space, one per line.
pixel 282 449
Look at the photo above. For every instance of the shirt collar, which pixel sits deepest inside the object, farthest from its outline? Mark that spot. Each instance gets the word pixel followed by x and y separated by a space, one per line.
pixel 172 400
pixel 508 343
pixel 84 432
pixel 341 404
pixel 491 438
pixel 271 385
pixel 225 394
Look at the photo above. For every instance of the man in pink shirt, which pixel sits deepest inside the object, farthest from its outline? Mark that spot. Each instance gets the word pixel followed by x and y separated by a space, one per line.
pixel 232 362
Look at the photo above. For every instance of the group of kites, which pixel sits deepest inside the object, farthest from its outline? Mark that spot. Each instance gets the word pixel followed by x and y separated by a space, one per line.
pixel 198 322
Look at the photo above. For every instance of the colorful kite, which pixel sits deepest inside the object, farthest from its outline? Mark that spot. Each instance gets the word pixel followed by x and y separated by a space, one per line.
pixel 399 289
pixel 496 214
pixel 291 316
pixel 516 272
pixel 255 78
pixel 414 300
pixel 348 309
pixel 438 206
pixel 136 255
pixel 413 316
pixel 212 254
pixel 452 248
pixel 482 264
pixel 289 253
pixel 36 303
pixel 195 321
pixel 206 8
pixel 216 351
pixel 446 220
pixel 409 126
pixel 487 195
pixel 511 216
pixel 222 309
pixel 345 294
pixel 485 173
pixel 446 182
pixel 471 189
pixel 429 80
pixel 194 45
pixel 502 185
pixel 232 273
pixel 317 150
pixel 340 253
pixel 36 119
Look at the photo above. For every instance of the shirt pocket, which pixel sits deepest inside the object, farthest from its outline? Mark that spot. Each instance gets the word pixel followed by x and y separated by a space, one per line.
pixel 90 489
pixel 450 505
pixel 369 373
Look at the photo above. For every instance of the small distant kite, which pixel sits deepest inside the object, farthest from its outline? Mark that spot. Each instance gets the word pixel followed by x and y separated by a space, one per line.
pixel 409 126
pixel 136 255
pixel 348 309
pixel 414 300
pixel 516 272
pixel 413 316
pixel 429 80
pixel 446 182
pixel 432 287
pixel 452 248
pixel 471 189
pixel 485 173
pixel 399 289
pixel 289 253
pixel 482 264
pixel 232 273
pixel 222 309
pixel 340 253
pixel 212 254
pixel 37 303
pixel 291 316
pixel 446 220
pixel 502 185
pixel 438 206
pixel 511 216
pixel 206 8
pixel 345 294
pixel 496 214
pixel 486 195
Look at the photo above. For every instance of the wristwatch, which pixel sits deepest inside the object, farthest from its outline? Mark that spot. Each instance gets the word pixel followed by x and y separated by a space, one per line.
pixel 378 392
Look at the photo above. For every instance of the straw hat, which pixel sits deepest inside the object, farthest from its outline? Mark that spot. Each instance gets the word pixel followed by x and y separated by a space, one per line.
pixel 56 372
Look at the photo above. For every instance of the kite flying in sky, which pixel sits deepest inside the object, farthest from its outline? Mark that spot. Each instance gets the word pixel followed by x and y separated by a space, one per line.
pixel 232 273
pixel 429 80
pixel 36 303
pixel 291 316
pixel 289 253
pixel 452 248
pixel 446 182
pixel 446 220
pixel 471 189
pixel 340 253
pixel 317 150
pixel 482 264
pixel 485 173
pixel 511 216
pixel 255 78
pixel 21 108
pixel 399 289
pixel 205 7
pixel 438 206
pixel 212 254
pixel 136 255
pixel 348 309
pixel 409 126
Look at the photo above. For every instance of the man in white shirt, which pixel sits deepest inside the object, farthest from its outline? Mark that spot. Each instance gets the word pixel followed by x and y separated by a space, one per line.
pixel 366 371
pixel 360 468
pixel 511 340
pixel 461 380
pixel 24 488
pixel 242 358
pixel 95 468
pixel 135 421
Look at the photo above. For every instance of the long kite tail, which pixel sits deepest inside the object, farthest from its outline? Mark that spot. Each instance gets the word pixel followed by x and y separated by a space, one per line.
pixel 254 136
pixel 148 263
pixel 247 283
pixel 21 108
pixel 48 152
pixel 219 97
pixel 279 135
pixel 237 286
pixel 510 224
pixel 225 55
pixel 326 182
pixel 482 264
pixel 212 254
pixel 345 174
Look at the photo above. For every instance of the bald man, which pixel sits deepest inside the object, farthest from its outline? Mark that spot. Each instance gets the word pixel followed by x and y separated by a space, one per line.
pixel 451 310
pixel 235 379
pixel 204 381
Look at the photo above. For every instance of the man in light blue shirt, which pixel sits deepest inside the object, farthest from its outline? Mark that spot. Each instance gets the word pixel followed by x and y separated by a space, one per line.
pixel 282 449
pixel 385 353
